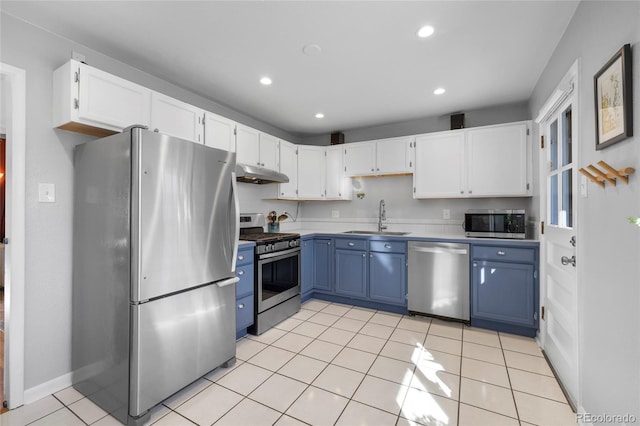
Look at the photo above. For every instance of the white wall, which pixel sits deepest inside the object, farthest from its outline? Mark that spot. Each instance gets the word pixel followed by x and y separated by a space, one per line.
pixel 49 159
pixel 608 246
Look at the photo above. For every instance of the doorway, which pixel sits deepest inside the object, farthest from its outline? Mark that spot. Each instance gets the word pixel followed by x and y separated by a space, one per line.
pixel 559 333
pixel 13 115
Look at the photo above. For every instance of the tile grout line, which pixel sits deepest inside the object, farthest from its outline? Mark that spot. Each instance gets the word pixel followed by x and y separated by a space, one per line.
pixel 513 396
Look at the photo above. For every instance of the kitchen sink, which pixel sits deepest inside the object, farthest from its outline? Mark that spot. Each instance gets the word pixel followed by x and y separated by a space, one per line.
pixel 376 232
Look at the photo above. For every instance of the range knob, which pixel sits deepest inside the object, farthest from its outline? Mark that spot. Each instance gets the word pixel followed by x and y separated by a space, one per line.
pixel 293 243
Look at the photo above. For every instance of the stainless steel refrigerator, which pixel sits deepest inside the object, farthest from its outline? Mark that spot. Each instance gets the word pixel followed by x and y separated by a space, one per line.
pixel 154 248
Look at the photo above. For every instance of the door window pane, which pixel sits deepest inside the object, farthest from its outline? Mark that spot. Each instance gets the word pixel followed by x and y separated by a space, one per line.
pixel 567 198
pixel 553 199
pixel 553 145
pixel 566 137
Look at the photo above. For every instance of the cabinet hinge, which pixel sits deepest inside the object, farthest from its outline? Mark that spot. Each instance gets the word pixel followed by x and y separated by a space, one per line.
pixel 345 151
pixel 410 164
pixel 414 189
pixel 296 192
pixel 76 103
pixel 77 76
pixel 296 151
pixel 542 142
pixel 325 153
pixel 542 227
pixel 528 132
pixel 542 312
pixel 235 131
pixel 5 240
pixel 345 169
pixel 527 187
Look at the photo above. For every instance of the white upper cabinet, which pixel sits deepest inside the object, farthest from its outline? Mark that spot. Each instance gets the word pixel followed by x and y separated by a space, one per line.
pixel 256 148
pixel 490 161
pixel 337 186
pixel 219 132
pixel 394 156
pixel 288 166
pixel 176 118
pixel 91 101
pixel 498 158
pixel 311 172
pixel 268 148
pixel 360 159
pixel 380 157
pixel 440 165
pixel 247 145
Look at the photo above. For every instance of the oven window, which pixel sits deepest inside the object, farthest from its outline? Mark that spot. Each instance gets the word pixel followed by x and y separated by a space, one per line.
pixel 279 276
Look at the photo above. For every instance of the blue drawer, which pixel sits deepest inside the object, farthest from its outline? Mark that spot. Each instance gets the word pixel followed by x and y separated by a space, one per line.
pixel 245 285
pixel 244 256
pixel 244 312
pixel 388 246
pixel 351 244
pixel 504 254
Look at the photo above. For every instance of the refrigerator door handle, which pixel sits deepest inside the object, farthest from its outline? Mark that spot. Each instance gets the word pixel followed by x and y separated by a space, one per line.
pixel 235 220
pixel 227 282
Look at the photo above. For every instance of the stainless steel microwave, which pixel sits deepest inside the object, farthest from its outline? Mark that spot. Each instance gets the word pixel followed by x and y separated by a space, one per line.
pixel 495 223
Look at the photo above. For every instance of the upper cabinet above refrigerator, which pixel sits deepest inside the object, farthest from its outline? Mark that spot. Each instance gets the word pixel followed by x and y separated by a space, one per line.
pixel 91 101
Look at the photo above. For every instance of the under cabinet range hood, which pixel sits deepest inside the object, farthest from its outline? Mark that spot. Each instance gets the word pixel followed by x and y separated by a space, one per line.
pixel 258 175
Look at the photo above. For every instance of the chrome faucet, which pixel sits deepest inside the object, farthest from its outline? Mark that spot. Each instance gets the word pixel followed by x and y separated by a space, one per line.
pixel 382 216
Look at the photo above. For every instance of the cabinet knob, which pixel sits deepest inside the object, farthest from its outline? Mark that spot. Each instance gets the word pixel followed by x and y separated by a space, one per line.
pixel 363 254
pixel 241 306
pixel 470 191
pixel 240 257
pixel 240 272
pixel 282 193
pixel 387 246
pixel 328 243
pixel 475 264
pixel 371 256
pixel 462 192
pixel 501 253
pixel 351 244
pixel 372 170
pixel 156 130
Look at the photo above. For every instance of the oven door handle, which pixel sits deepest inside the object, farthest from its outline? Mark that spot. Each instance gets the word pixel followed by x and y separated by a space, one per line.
pixel 278 253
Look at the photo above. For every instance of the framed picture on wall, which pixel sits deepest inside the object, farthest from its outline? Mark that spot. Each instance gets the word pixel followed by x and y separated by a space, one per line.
pixel 613 96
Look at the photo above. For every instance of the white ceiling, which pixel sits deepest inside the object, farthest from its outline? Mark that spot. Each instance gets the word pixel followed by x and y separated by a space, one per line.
pixel 372 70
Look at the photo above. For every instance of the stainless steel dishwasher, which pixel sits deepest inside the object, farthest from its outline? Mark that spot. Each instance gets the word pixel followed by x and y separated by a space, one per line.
pixel 439 279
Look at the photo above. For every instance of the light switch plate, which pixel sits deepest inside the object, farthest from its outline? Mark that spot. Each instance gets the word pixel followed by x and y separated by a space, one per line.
pixel 335 214
pixel 46 192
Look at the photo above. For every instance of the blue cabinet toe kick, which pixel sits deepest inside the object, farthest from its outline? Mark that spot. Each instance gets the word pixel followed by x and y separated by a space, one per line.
pixel 505 328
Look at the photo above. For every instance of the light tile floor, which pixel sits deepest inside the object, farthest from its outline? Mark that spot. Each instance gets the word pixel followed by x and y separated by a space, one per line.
pixel 333 364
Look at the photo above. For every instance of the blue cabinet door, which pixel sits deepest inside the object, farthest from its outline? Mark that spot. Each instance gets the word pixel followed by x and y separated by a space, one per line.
pixel 351 273
pixel 323 264
pixel 388 277
pixel 306 274
pixel 503 292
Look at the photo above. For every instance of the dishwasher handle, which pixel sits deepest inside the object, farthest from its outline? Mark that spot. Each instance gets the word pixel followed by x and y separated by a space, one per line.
pixel 439 250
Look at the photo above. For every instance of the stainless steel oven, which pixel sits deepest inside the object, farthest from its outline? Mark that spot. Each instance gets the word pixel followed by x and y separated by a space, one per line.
pixel 277 272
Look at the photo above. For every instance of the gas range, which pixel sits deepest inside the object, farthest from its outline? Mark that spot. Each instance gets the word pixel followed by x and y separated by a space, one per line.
pixel 252 229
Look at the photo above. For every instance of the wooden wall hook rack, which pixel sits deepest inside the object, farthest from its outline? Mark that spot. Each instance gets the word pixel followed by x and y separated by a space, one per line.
pixel 609 175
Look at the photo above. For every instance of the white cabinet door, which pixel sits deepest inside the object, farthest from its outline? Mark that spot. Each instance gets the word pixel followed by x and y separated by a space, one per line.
pixel 393 156
pixel 91 101
pixel 288 166
pixel 247 145
pixel 269 151
pixel 219 132
pixel 338 187
pixel 176 118
pixel 440 163
pixel 497 159
pixel 360 159
pixel 311 173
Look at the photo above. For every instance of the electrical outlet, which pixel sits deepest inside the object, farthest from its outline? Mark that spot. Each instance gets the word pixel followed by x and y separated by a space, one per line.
pixel 446 214
pixel 335 214
pixel 46 192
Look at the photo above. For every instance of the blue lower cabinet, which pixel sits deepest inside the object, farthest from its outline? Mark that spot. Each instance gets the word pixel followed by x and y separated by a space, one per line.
pixel 306 265
pixel 388 277
pixel 504 289
pixel 351 273
pixel 244 289
pixel 323 264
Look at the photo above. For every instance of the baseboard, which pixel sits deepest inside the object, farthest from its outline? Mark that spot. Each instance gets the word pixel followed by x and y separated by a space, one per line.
pixel 47 388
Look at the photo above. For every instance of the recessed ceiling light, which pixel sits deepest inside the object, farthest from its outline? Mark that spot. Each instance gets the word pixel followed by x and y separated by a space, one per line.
pixel 439 91
pixel 425 31
pixel 266 81
pixel 319 115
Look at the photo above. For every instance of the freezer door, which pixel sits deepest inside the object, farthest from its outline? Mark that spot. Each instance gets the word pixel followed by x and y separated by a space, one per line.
pixel 177 339
pixel 184 214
